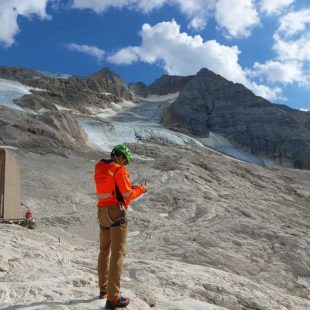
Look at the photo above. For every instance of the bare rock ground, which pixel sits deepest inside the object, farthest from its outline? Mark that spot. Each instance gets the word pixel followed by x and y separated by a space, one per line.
pixel 212 233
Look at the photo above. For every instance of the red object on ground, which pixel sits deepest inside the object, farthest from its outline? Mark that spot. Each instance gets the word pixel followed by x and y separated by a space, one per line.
pixel 28 214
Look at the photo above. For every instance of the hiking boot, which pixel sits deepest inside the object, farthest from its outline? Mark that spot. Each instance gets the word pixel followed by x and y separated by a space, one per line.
pixel 103 295
pixel 122 302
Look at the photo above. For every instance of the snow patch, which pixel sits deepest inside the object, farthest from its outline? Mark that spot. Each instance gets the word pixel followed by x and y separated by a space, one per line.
pixel 157 98
pixel 11 90
pixel 105 136
pixel 61 108
pixel 42 111
pixel 221 144
pixel 304 281
pixel 55 75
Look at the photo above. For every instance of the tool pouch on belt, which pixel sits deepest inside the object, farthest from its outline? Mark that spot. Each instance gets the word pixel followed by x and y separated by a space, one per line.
pixel 112 216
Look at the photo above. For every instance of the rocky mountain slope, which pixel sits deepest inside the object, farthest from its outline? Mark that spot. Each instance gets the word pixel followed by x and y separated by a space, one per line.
pixel 207 105
pixel 166 84
pixel 77 93
pixel 210 103
pixel 212 233
pixel 47 118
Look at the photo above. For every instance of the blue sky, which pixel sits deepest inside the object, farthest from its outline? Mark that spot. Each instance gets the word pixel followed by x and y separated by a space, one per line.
pixel 263 44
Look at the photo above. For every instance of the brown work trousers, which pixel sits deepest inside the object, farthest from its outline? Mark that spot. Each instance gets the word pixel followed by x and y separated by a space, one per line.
pixel 112 250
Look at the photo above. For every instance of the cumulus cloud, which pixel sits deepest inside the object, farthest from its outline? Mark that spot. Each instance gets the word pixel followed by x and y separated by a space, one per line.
pixel 198 11
pixel 227 12
pixel 296 49
pixel 282 72
pixel 88 50
pixel 270 93
pixel 236 17
pixel 292 48
pixel 275 6
pixel 146 6
pixel 181 54
pixel 100 6
pixel 292 40
pixel 190 7
pixel 9 12
pixel 294 22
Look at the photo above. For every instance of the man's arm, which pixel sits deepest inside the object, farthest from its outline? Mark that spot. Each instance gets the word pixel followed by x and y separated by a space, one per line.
pixel 128 191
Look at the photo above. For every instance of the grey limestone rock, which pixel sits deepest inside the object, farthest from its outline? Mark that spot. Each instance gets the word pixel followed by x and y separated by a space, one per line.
pixel 54 132
pixel 209 102
pixel 138 88
pixel 166 84
pixel 77 93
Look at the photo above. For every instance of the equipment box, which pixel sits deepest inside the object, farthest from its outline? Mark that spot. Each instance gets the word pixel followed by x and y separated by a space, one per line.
pixel 9 186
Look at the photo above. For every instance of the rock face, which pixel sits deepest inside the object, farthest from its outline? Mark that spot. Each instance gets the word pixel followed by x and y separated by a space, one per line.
pixel 209 102
pixel 212 233
pixel 54 132
pixel 19 74
pixel 50 123
pixel 77 93
pixel 166 84
pixel 138 88
pixel 169 84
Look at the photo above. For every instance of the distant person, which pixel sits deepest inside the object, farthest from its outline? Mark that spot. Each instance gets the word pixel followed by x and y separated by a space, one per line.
pixel 29 220
pixel 114 193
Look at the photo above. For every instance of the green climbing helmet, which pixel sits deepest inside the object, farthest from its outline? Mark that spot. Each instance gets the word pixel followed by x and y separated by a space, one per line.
pixel 122 149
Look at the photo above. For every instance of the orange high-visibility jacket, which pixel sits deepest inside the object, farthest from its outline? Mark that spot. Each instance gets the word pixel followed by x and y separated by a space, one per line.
pixel 113 185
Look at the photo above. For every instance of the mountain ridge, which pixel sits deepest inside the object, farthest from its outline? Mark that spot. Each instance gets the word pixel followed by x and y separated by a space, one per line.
pixel 207 103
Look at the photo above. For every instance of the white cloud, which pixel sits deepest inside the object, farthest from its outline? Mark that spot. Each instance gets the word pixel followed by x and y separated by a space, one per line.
pixel 292 47
pixel 270 93
pixel 275 71
pixel 87 49
pixel 298 49
pixel 236 17
pixel 275 6
pixel 197 11
pixel 181 54
pixel 294 22
pixel 100 6
pixel 149 5
pixel 9 12
pixel 126 56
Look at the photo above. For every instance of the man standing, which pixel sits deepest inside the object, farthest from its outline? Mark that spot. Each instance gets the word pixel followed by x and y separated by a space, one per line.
pixel 114 193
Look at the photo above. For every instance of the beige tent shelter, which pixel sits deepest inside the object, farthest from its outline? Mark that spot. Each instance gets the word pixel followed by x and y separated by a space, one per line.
pixel 9 186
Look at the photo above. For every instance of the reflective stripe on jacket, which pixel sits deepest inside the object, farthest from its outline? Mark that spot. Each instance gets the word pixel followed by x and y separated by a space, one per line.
pixel 113 184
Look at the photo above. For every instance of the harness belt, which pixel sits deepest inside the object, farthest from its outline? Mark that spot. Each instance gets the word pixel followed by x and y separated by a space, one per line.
pixel 119 222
